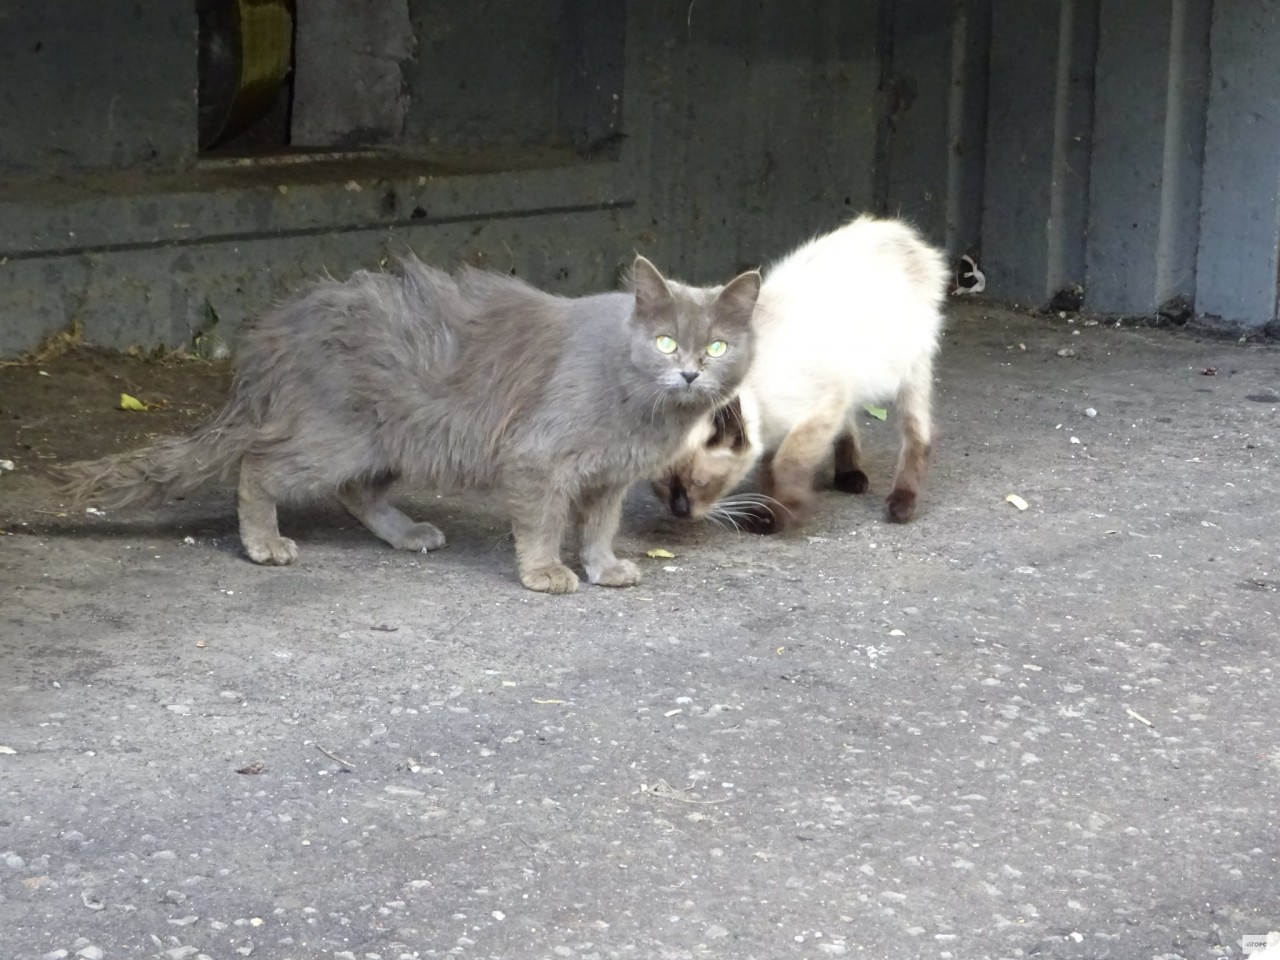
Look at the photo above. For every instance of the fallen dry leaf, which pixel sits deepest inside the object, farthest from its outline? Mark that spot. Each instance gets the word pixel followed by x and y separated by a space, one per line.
pixel 131 403
pixel 1017 501
pixel 252 769
pixel 658 553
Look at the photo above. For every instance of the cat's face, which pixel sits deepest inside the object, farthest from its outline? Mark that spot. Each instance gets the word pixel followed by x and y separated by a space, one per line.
pixel 692 344
pixel 716 460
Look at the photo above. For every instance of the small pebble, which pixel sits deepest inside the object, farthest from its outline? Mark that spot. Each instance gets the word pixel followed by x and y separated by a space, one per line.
pixel 398 791
pixel 90 953
pixel 13 861
pixel 1090 412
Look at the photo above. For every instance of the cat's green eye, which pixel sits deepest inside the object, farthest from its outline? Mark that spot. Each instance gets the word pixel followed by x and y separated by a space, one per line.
pixel 716 348
pixel 665 344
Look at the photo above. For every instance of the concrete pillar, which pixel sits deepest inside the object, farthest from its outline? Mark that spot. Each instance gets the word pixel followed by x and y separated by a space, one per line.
pixel 1148 140
pixel 933 126
pixel 1240 198
pixel 967 125
pixel 1039 129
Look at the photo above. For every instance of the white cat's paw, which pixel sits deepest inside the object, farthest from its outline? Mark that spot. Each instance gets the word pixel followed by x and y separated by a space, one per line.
pixel 554 578
pixel 272 551
pixel 422 537
pixel 620 573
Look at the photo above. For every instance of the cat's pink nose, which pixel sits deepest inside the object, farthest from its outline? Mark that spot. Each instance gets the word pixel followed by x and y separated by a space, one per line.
pixel 689 375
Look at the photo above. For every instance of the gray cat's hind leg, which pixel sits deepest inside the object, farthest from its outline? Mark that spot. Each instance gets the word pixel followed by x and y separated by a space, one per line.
pixel 259 530
pixel 599 513
pixel 368 503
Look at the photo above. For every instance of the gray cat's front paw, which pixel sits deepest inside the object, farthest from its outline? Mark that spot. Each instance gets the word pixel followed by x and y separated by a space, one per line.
pixel 620 573
pixel 554 578
pixel 272 551
pixel 421 537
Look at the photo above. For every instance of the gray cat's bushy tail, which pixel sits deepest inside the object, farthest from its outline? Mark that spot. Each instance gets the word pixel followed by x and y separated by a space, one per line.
pixel 171 467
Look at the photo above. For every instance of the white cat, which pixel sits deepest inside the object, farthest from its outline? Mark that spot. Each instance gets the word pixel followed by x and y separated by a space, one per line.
pixel 850 318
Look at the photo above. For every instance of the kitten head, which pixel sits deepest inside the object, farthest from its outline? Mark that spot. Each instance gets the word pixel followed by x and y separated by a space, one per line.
pixel 693 344
pixel 717 457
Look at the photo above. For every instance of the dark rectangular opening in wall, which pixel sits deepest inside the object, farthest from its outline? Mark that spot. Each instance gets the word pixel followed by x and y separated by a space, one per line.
pixel 493 83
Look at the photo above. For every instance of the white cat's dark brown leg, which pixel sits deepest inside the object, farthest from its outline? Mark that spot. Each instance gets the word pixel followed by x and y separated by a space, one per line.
pixel 539 516
pixel 368 503
pixel 849 476
pixel 259 529
pixel 915 421
pixel 787 477
pixel 599 512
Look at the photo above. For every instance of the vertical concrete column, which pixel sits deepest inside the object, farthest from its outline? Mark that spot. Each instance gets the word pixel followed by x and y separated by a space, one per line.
pixel 1148 138
pixel 914 97
pixel 1039 131
pixel 967 125
pixel 933 129
pixel 1240 200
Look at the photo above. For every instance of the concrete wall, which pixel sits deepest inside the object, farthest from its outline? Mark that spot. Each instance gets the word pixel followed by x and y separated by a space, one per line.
pixel 1132 148
pixel 1127 147
pixel 740 129
pixel 86 85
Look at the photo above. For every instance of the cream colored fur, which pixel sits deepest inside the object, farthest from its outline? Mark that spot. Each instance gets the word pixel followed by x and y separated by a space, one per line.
pixel 849 318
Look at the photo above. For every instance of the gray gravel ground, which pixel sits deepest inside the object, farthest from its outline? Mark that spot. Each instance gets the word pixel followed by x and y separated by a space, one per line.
pixel 988 734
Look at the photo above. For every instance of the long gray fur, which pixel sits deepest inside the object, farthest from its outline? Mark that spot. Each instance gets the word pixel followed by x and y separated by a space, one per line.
pixel 471 380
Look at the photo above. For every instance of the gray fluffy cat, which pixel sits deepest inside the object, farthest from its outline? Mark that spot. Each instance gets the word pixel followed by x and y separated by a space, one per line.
pixel 470 380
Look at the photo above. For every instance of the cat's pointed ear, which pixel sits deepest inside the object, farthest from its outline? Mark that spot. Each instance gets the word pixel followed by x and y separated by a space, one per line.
pixel 737 300
pixel 649 285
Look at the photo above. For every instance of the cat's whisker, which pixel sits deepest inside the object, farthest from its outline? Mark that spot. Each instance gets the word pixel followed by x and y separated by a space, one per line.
pixel 730 512
pixel 753 501
pixel 659 395
pixel 655 401
pixel 723 519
